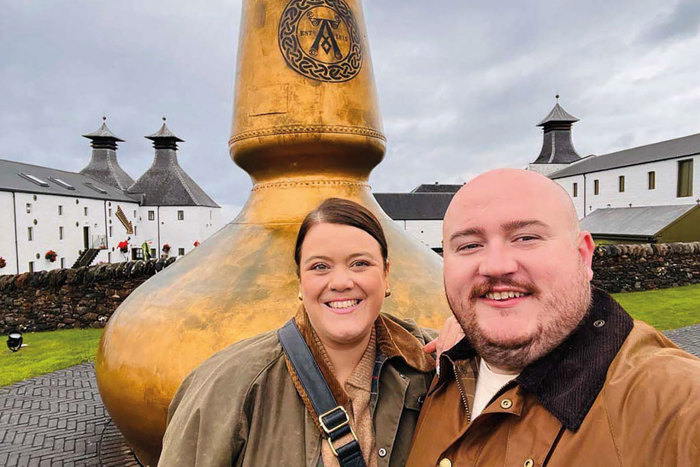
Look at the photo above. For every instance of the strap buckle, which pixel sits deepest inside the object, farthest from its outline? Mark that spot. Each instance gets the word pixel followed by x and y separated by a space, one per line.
pixel 332 431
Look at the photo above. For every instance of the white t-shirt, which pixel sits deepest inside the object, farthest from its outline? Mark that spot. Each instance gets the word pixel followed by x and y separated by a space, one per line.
pixel 487 385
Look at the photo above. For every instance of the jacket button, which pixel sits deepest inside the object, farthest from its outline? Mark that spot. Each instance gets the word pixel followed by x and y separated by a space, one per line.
pixel 445 462
pixel 402 376
pixel 381 452
pixel 506 403
pixel 528 463
pixel 599 323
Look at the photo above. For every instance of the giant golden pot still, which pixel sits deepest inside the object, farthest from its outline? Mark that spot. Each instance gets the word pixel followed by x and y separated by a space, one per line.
pixel 306 127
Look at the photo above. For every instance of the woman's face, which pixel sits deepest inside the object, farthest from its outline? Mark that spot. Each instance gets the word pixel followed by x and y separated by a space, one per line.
pixel 343 281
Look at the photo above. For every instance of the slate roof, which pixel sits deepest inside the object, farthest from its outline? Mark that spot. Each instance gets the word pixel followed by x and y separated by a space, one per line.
pixel 51 182
pixel 557 114
pixel 414 206
pixel 637 221
pixel 165 183
pixel 103 163
pixel 669 149
pixel 436 188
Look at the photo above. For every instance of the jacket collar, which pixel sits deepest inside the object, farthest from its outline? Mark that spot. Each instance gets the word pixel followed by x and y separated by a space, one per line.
pixel 393 341
pixel 567 380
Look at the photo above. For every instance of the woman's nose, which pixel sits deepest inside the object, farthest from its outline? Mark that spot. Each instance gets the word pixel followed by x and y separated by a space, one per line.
pixel 340 280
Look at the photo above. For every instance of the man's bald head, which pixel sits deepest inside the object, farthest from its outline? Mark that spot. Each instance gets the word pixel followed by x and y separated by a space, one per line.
pixel 517 268
pixel 503 186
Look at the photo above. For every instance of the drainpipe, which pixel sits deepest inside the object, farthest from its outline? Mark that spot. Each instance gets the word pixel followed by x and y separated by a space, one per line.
pixel 584 195
pixel 158 217
pixel 14 213
pixel 106 228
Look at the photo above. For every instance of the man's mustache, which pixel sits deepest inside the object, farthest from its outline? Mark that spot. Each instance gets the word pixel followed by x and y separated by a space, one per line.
pixel 489 284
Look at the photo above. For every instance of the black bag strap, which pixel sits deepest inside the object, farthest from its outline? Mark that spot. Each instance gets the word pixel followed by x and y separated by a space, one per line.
pixel 334 420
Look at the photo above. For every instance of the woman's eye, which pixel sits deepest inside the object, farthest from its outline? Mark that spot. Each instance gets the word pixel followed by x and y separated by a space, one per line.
pixel 361 263
pixel 319 267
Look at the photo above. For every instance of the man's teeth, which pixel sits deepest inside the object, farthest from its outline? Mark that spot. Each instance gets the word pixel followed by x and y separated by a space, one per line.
pixel 343 303
pixel 504 295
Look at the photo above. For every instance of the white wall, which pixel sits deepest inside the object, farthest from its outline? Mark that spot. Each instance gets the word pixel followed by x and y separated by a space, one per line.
pixel 7 233
pixel 636 186
pixel 428 232
pixel 198 224
pixel 46 223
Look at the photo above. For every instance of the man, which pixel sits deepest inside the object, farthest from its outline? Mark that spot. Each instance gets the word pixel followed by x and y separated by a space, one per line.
pixel 550 372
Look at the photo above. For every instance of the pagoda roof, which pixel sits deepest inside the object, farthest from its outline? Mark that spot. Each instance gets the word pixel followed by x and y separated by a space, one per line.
pixel 102 132
pixel 557 115
pixel 164 133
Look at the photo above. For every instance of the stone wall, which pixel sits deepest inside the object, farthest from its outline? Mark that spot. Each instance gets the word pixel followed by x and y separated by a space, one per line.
pixel 70 298
pixel 629 268
pixel 87 297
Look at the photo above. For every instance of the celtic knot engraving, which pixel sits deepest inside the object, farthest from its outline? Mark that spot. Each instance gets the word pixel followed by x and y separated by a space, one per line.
pixel 338 36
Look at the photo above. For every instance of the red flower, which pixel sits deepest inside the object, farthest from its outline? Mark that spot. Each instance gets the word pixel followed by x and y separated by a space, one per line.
pixel 123 246
pixel 196 243
pixel 166 248
pixel 51 255
pixel 3 263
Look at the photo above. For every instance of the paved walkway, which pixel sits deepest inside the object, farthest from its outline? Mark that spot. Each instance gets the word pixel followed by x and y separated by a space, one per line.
pixel 58 419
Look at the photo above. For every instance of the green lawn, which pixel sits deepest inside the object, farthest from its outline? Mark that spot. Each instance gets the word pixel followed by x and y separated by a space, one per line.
pixel 46 352
pixel 55 350
pixel 664 308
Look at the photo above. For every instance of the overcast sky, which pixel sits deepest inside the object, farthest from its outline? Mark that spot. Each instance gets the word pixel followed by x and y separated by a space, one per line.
pixel 461 84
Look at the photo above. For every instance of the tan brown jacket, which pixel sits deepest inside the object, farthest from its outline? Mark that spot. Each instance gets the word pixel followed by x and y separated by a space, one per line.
pixel 244 406
pixel 616 392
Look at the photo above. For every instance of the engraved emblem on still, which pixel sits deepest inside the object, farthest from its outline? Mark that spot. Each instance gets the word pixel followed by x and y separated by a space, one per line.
pixel 319 39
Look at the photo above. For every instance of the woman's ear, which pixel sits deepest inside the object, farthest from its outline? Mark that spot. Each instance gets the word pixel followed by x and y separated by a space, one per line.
pixel 387 267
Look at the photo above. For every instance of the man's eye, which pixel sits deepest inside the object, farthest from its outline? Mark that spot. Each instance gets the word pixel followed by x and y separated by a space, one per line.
pixel 468 246
pixel 526 238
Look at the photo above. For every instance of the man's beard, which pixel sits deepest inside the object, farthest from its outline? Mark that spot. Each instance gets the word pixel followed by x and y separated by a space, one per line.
pixel 560 315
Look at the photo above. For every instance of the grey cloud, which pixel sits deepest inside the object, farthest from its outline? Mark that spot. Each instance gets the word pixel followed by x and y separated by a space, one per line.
pixel 461 84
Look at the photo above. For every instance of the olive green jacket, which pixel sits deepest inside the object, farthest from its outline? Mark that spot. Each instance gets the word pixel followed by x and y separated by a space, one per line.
pixel 243 407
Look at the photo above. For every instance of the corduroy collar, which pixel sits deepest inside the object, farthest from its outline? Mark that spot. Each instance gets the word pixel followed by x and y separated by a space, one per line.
pixel 567 380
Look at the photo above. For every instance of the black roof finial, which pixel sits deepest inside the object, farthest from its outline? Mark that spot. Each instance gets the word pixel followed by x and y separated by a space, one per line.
pixel 557 97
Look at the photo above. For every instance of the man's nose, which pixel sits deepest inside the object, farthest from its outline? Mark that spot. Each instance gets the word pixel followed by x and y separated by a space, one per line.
pixel 340 280
pixel 498 261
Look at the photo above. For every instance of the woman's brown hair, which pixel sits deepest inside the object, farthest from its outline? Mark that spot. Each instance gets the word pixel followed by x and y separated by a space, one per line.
pixel 342 212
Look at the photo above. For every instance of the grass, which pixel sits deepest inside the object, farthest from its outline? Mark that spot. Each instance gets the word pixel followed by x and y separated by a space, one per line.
pixel 54 350
pixel 46 352
pixel 664 308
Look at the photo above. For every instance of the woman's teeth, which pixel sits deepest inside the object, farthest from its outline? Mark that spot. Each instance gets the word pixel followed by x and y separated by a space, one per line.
pixel 343 304
pixel 504 295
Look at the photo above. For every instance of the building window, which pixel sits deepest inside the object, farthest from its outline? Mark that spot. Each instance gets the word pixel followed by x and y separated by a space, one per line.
pixel 110 212
pixel 135 232
pixel 31 266
pixel 85 210
pixel 575 189
pixel 181 215
pixel 651 177
pixel 621 183
pixel 151 215
pixel 110 230
pixel 29 208
pixel 63 263
pixel 685 178
pixel 60 232
pixel 181 251
pixel 30 234
pixel 60 210
pixel 596 187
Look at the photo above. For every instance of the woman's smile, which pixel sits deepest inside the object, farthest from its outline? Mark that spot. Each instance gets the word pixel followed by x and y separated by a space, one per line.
pixel 343 306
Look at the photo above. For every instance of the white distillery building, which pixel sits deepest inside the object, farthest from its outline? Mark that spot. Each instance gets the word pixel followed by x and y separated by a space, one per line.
pixel 83 217
pixel 645 194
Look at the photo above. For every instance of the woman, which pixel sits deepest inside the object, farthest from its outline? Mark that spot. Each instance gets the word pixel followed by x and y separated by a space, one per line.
pixel 249 404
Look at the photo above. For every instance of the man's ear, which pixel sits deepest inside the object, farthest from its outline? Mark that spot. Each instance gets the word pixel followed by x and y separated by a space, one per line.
pixel 585 246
